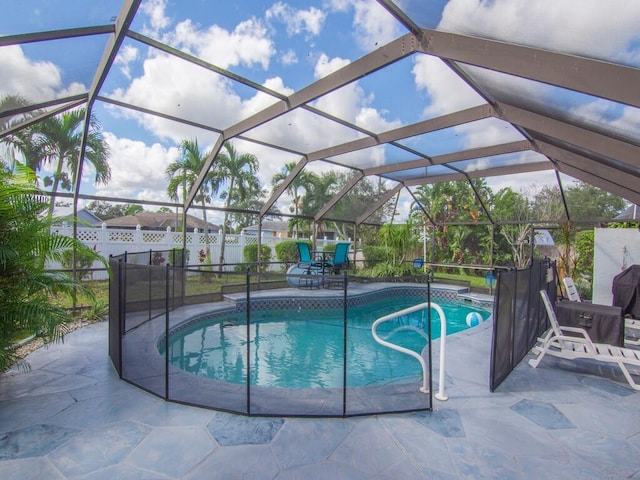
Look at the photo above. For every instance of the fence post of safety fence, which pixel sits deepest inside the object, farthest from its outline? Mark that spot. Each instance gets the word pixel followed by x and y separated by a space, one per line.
pixel 166 333
pixel 344 346
pixel 248 333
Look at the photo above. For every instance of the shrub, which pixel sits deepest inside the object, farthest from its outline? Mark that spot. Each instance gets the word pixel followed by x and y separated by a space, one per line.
pixel 384 270
pixel 374 254
pixel 250 255
pixel 26 244
pixel 287 252
pixel 84 261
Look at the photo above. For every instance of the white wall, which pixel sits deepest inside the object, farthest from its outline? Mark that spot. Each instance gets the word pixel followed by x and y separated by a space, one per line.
pixel 615 249
pixel 111 241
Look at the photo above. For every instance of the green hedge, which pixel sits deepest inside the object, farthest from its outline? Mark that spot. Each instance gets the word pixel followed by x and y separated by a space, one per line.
pixel 373 255
pixel 287 252
pixel 250 255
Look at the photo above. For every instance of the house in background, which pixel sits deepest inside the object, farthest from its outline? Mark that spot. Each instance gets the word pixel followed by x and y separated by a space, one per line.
pixel 270 229
pixel 280 229
pixel 85 217
pixel 158 221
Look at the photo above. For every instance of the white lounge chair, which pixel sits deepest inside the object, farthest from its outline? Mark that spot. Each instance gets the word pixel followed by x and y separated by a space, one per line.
pixel 571 290
pixel 574 343
pixel 631 323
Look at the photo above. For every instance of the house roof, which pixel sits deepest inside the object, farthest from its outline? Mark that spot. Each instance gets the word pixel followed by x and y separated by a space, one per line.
pixel 158 221
pixel 632 212
pixel 270 225
pixel 83 214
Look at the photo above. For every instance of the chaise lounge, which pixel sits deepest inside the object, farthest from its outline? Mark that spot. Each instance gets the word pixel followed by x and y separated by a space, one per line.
pixel 573 343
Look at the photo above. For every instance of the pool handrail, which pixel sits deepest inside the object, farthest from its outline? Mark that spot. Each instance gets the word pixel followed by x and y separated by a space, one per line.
pixel 443 334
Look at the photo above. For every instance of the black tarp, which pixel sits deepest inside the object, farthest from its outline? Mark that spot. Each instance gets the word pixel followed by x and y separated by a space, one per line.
pixel 626 291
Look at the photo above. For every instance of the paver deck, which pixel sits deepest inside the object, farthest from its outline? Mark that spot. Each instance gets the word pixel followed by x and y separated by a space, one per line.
pixel 71 417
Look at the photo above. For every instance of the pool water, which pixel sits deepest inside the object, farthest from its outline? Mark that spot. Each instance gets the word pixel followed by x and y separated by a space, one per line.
pixel 302 348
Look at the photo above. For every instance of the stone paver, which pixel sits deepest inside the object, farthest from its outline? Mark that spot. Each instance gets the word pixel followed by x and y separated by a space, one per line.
pixel 71 417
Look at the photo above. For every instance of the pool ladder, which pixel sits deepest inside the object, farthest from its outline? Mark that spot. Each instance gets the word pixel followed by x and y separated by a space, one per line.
pixel 443 335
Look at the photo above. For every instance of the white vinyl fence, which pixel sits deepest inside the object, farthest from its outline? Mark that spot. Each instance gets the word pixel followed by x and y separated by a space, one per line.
pixel 109 241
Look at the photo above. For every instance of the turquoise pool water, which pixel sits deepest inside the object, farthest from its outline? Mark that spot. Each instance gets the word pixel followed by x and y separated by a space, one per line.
pixel 302 348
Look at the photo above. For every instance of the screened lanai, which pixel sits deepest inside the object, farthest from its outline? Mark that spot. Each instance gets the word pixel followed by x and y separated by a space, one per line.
pixel 404 94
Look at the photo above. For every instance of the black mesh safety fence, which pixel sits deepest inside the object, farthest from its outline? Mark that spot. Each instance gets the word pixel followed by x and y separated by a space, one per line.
pixel 115 313
pixel 251 343
pixel 145 310
pixel 519 317
pixel 395 389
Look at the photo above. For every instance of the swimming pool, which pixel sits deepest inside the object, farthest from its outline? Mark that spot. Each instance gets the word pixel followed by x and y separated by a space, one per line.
pixel 296 347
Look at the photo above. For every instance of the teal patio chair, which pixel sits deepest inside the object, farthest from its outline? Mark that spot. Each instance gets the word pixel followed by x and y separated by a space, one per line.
pixel 340 257
pixel 305 258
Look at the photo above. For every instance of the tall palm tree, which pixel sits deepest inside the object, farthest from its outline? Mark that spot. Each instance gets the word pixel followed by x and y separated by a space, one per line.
pixel 183 173
pixel 19 141
pixel 302 181
pixel 237 172
pixel 60 139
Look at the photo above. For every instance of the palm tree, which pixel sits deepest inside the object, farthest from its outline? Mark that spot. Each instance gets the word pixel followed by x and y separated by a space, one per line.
pixel 59 139
pixel 26 244
pixel 237 172
pixel 302 180
pixel 19 141
pixel 319 191
pixel 183 173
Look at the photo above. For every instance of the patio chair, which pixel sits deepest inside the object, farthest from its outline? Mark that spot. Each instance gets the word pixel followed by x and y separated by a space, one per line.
pixel 571 290
pixel 573 343
pixel 306 262
pixel 340 257
pixel 631 323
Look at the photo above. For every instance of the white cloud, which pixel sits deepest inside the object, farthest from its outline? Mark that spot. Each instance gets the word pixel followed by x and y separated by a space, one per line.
pixel 289 57
pixel 125 57
pixel 155 9
pixel 133 178
pixel 486 132
pixel 248 44
pixel 373 25
pixel 308 21
pixel 448 92
pixel 325 65
pixel 34 80
pixel 625 120
pixel 607 30
pixel 172 86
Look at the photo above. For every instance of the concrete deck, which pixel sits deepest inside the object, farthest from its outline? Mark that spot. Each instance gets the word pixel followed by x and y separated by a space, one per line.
pixel 70 417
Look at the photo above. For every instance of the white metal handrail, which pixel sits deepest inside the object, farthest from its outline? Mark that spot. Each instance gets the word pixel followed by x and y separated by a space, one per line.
pixel 443 334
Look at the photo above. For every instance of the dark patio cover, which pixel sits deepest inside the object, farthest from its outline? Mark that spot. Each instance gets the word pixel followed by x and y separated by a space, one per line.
pixel 626 291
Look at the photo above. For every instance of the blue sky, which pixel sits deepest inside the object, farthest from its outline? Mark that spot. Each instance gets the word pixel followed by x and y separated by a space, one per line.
pixel 286 46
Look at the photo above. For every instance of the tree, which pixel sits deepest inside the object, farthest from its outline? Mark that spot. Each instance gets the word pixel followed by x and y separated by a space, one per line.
pixel 356 202
pixel 399 241
pixel 547 204
pixel 588 202
pixel 319 191
pixel 301 181
pixel 182 175
pixel 511 206
pixel 59 140
pixel 106 210
pixel 26 244
pixel 237 173
pixel 455 202
pixel 245 214
pixel 19 142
